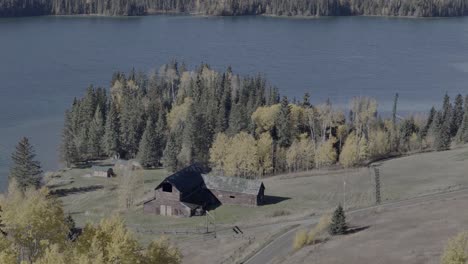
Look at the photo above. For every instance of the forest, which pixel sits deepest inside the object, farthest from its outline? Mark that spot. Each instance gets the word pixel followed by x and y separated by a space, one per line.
pixel 241 126
pixel 416 8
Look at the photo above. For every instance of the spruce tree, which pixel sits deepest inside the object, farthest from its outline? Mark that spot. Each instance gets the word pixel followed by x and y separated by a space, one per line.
pixel 68 149
pixel 171 151
pixel 147 151
pixel 457 115
pixel 26 170
pixel 462 134
pixel 338 225
pixel 112 131
pixel 283 124
pixel 96 134
pixel 430 120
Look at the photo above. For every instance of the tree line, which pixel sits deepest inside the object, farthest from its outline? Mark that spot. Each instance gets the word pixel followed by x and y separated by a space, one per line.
pixel 240 125
pixel 419 8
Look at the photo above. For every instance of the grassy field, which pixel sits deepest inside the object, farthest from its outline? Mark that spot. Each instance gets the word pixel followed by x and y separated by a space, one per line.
pixel 409 234
pixel 289 197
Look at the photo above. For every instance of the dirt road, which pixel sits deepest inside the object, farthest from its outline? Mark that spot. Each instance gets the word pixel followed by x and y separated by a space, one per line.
pixel 281 248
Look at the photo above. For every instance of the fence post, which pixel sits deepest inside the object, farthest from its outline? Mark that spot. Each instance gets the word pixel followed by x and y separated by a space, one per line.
pixel 377 185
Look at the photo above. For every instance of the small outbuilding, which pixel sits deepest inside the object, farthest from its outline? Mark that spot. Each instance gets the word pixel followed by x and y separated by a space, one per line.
pixel 101 171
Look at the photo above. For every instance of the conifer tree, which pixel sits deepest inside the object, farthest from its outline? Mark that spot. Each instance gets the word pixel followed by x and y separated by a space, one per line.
pixel 96 134
pixel 462 134
pixel 112 132
pixel 443 139
pixel 171 151
pixel 26 170
pixel 147 151
pixel 430 120
pixel 283 124
pixel 457 115
pixel 338 225
pixel 68 149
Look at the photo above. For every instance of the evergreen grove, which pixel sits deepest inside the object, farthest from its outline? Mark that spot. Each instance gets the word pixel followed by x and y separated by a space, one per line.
pixel 424 8
pixel 239 125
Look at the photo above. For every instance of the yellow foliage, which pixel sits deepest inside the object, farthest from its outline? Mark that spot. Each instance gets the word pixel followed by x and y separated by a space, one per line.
pixel 179 113
pixel 326 153
pixel 265 153
pixel 264 117
pixel 301 154
pixel 53 255
pixel 161 252
pixel 8 253
pixel 300 240
pixel 349 155
pixel 456 251
pixel 379 143
pixel 242 158
pixel 34 221
pixel 219 151
pixel 109 241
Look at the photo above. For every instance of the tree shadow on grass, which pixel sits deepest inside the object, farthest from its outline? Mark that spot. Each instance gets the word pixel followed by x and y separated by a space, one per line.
pixel 75 190
pixel 270 199
pixel 353 230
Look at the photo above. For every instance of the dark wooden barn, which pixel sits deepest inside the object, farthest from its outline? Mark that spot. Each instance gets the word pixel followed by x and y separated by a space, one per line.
pixel 189 192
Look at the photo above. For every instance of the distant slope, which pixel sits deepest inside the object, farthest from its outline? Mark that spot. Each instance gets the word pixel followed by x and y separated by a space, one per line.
pixel 414 8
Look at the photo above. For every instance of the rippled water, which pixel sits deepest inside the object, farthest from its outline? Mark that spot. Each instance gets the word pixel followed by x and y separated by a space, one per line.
pixel 46 61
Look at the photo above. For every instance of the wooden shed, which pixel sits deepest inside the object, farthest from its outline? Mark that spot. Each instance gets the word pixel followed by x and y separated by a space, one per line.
pixel 235 190
pixel 101 171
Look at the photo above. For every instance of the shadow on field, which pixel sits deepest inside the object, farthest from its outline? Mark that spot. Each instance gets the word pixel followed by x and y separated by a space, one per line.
pixel 353 230
pixel 74 190
pixel 269 199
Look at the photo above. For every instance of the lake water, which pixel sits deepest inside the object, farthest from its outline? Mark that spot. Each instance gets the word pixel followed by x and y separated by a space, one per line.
pixel 46 61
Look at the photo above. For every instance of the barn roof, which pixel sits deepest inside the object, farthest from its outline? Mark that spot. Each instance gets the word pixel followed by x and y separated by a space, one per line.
pixel 232 184
pixel 186 180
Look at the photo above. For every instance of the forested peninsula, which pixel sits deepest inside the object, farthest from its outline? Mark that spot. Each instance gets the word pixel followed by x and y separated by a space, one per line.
pixel 241 126
pixel 413 8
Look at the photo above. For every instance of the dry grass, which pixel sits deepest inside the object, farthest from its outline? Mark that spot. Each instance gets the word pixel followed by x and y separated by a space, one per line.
pixel 303 194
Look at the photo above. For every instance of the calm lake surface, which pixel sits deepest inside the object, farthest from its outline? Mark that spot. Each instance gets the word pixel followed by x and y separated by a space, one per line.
pixel 46 61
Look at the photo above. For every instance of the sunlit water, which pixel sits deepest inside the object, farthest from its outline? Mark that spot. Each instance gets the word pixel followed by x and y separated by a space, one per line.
pixel 46 61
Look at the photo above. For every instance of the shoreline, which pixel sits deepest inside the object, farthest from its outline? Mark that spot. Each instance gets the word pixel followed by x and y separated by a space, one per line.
pixel 202 15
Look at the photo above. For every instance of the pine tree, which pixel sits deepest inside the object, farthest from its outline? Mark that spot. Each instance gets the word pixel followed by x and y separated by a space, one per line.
pixel 147 151
pixel 25 169
pixel 430 120
pixel 457 115
pixel 96 134
pixel 394 111
pixel 283 124
pixel 462 134
pixel 112 131
pixel 445 121
pixel 338 224
pixel 224 111
pixel 68 149
pixel 441 130
pixel 171 151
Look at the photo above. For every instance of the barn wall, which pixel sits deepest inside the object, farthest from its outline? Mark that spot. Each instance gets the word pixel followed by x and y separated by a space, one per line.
pixel 234 198
pixel 161 195
pixel 177 208
pixel 170 202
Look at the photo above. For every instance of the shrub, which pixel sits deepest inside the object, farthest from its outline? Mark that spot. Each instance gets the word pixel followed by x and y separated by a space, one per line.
pixel 280 212
pixel 300 240
pixel 338 222
pixel 320 228
pixel 456 251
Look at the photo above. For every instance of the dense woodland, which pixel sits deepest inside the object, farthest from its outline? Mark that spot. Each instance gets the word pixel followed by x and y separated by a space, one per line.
pixel 424 8
pixel 241 126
